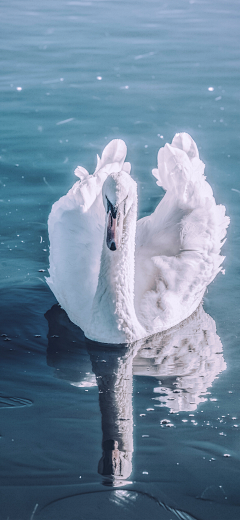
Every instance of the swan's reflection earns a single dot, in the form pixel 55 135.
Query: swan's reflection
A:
pixel 187 358
pixel 113 370
pixel 66 351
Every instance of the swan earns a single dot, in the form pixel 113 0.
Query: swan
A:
pixel 120 279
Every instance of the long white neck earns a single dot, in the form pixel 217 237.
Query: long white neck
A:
pixel 113 318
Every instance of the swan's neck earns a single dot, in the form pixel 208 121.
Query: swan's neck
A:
pixel 113 318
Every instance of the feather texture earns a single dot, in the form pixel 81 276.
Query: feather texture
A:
pixel 178 246
pixel 177 252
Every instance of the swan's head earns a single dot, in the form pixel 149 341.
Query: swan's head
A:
pixel 119 193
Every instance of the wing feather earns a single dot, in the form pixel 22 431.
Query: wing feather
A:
pixel 178 246
pixel 76 232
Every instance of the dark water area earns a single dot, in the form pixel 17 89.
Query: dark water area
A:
pixel 75 75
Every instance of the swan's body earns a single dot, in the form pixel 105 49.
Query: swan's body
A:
pixel 121 280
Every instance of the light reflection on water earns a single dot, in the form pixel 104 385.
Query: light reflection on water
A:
pixel 165 67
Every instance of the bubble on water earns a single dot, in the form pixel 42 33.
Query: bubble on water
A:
pixel 166 423
pixel 211 89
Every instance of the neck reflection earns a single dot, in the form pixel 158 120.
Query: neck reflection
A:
pixel 114 374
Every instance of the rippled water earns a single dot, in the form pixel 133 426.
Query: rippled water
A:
pixel 75 75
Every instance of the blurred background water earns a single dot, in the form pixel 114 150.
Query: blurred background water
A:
pixel 74 75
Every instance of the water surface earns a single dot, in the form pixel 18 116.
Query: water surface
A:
pixel 75 75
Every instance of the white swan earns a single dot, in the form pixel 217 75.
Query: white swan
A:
pixel 96 242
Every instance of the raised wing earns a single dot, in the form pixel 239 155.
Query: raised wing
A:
pixel 76 231
pixel 178 246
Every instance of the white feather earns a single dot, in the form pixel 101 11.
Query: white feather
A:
pixel 177 251
pixel 178 246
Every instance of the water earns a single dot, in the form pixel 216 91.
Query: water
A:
pixel 75 75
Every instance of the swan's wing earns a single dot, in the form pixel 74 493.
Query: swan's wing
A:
pixel 178 246
pixel 76 230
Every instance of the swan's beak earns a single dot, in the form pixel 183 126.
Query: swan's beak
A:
pixel 112 232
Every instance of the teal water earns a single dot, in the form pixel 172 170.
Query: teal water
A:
pixel 75 75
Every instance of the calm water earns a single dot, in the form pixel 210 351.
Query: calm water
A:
pixel 75 75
